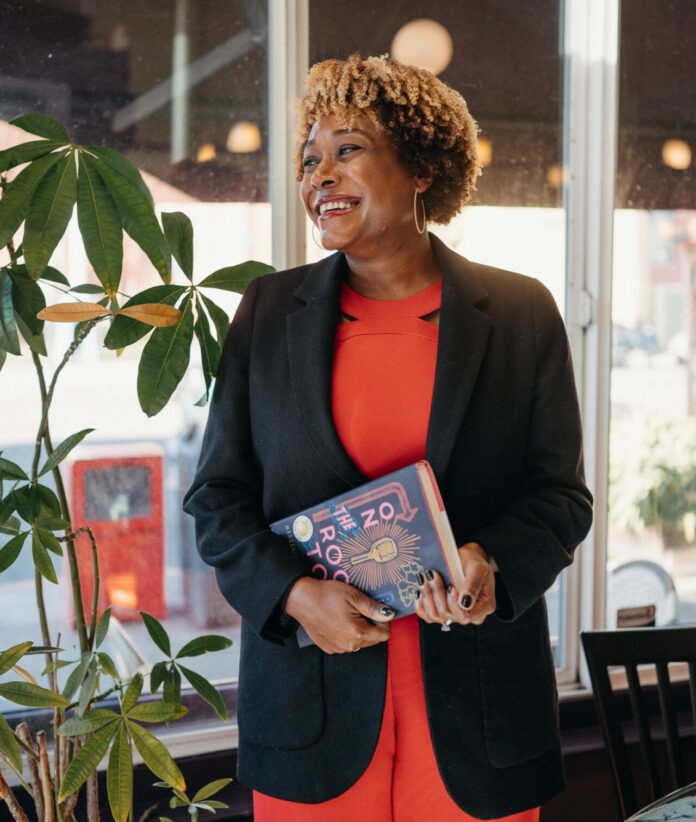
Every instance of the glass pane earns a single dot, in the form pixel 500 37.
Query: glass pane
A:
pixel 652 515
pixel 504 59
pixel 180 88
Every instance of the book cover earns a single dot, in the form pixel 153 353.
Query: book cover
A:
pixel 379 537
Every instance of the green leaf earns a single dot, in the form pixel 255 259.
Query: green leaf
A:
pixel 49 541
pixel 33 696
pixel 156 756
pixel 35 342
pixel 164 361
pixel 157 633
pixel 156 712
pixel 49 213
pixel 172 686
pixel 102 628
pixel 86 761
pixel 87 288
pixel 124 330
pixel 89 684
pixel 211 695
pixel 119 163
pixel 7 505
pixel 220 319
pixel 204 645
pixel 157 675
pixel 100 225
pixel 119 776
pixel 210 350
pixel 10 470
pixel 179 233
pixel 26 152
pixel 9 341
pixel 11 550
pixel 108 666
pixel 62 451
pixel 9 745
pixel 138 218
pixel 12 656
pixel 91 721
pixel 210 805
pixel 10 526
pixel 210 789
pixel 132 693
pixel 52 524
pixel 77 675
pixel 42 125
pixel 28 299
pixel 42 561
pixel 236 277
pixel 52 275
pixel 15 200
pixel 36 502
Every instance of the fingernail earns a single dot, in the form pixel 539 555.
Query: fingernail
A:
pixel 465 602
pixel 417 594
pixel 421 579
pixel 430 575
pixel 449 590
pixel 387 611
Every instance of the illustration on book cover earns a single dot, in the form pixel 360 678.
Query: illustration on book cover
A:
pixel 371 541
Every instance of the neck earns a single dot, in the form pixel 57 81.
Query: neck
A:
pixel 394 273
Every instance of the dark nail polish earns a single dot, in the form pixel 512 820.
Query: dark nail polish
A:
pixel 417 594
pixel 465 602
pixel 449 590
pixel 421 579
pixel 387 611
pixel 430 575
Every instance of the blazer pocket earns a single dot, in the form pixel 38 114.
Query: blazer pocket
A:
pixel 518 688
pixel 280 701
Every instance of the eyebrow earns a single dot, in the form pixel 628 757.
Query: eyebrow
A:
pixel 339 132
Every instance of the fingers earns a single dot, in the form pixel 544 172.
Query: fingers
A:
pixel 371 608
pixel 437 603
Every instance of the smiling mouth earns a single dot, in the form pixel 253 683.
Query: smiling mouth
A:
pixel 336 207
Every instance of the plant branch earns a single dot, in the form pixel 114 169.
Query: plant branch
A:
pixel 24 735
pixel 46 781
pixel 14 770
pixel 70 539
pixel 11 801
pixel 71 552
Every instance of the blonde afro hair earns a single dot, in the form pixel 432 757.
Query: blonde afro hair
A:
pixel 428 121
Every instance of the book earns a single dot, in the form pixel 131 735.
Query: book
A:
pixel 379 537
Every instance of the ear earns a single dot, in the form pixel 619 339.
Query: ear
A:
pixel 422 182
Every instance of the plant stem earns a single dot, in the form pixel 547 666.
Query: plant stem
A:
pixel 46 781
pixel 71 552
pixel 11 800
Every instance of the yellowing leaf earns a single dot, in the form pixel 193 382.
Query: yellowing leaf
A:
pixel 72 312
pixel 157 314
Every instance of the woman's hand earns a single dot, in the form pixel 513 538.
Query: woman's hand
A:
pixel 472 604
pixel 337 616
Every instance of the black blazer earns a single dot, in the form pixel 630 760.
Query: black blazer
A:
pixel 504 441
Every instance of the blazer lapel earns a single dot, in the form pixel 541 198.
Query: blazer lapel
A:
pixel 311 331
pixel 463 338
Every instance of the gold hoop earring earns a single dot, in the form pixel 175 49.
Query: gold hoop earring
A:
pixel 316 242
pixel 415 213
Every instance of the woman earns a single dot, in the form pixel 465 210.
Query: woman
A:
pixel 392 350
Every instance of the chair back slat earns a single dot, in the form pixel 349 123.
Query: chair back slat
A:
pixel 631 648
pixel 669 718
pixel 640 716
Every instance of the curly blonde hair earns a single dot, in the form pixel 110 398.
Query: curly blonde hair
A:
pixel 428 121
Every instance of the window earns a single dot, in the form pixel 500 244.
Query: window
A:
pixel 181 89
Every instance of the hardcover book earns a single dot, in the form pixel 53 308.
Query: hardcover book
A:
pixel 379 537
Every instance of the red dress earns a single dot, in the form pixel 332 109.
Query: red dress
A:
pixel 383 377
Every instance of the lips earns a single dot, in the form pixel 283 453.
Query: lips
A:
pixel 335 206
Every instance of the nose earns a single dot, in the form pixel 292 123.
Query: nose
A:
pixel 325 173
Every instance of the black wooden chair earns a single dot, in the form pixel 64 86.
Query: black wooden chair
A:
pixel 648 704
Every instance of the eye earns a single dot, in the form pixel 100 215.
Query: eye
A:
pixel 307 162
pixel 348 149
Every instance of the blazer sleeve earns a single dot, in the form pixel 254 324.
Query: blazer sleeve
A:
pixel 535 536
pixel 254 567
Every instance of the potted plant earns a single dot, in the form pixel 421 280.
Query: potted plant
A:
pixel 95 709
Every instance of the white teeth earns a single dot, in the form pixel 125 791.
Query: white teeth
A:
pixel 336 205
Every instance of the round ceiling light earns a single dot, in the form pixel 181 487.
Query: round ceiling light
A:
pixel 424 43
pixel 676 154
pixel 244 138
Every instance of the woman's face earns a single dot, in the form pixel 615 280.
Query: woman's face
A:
pixel 354 187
